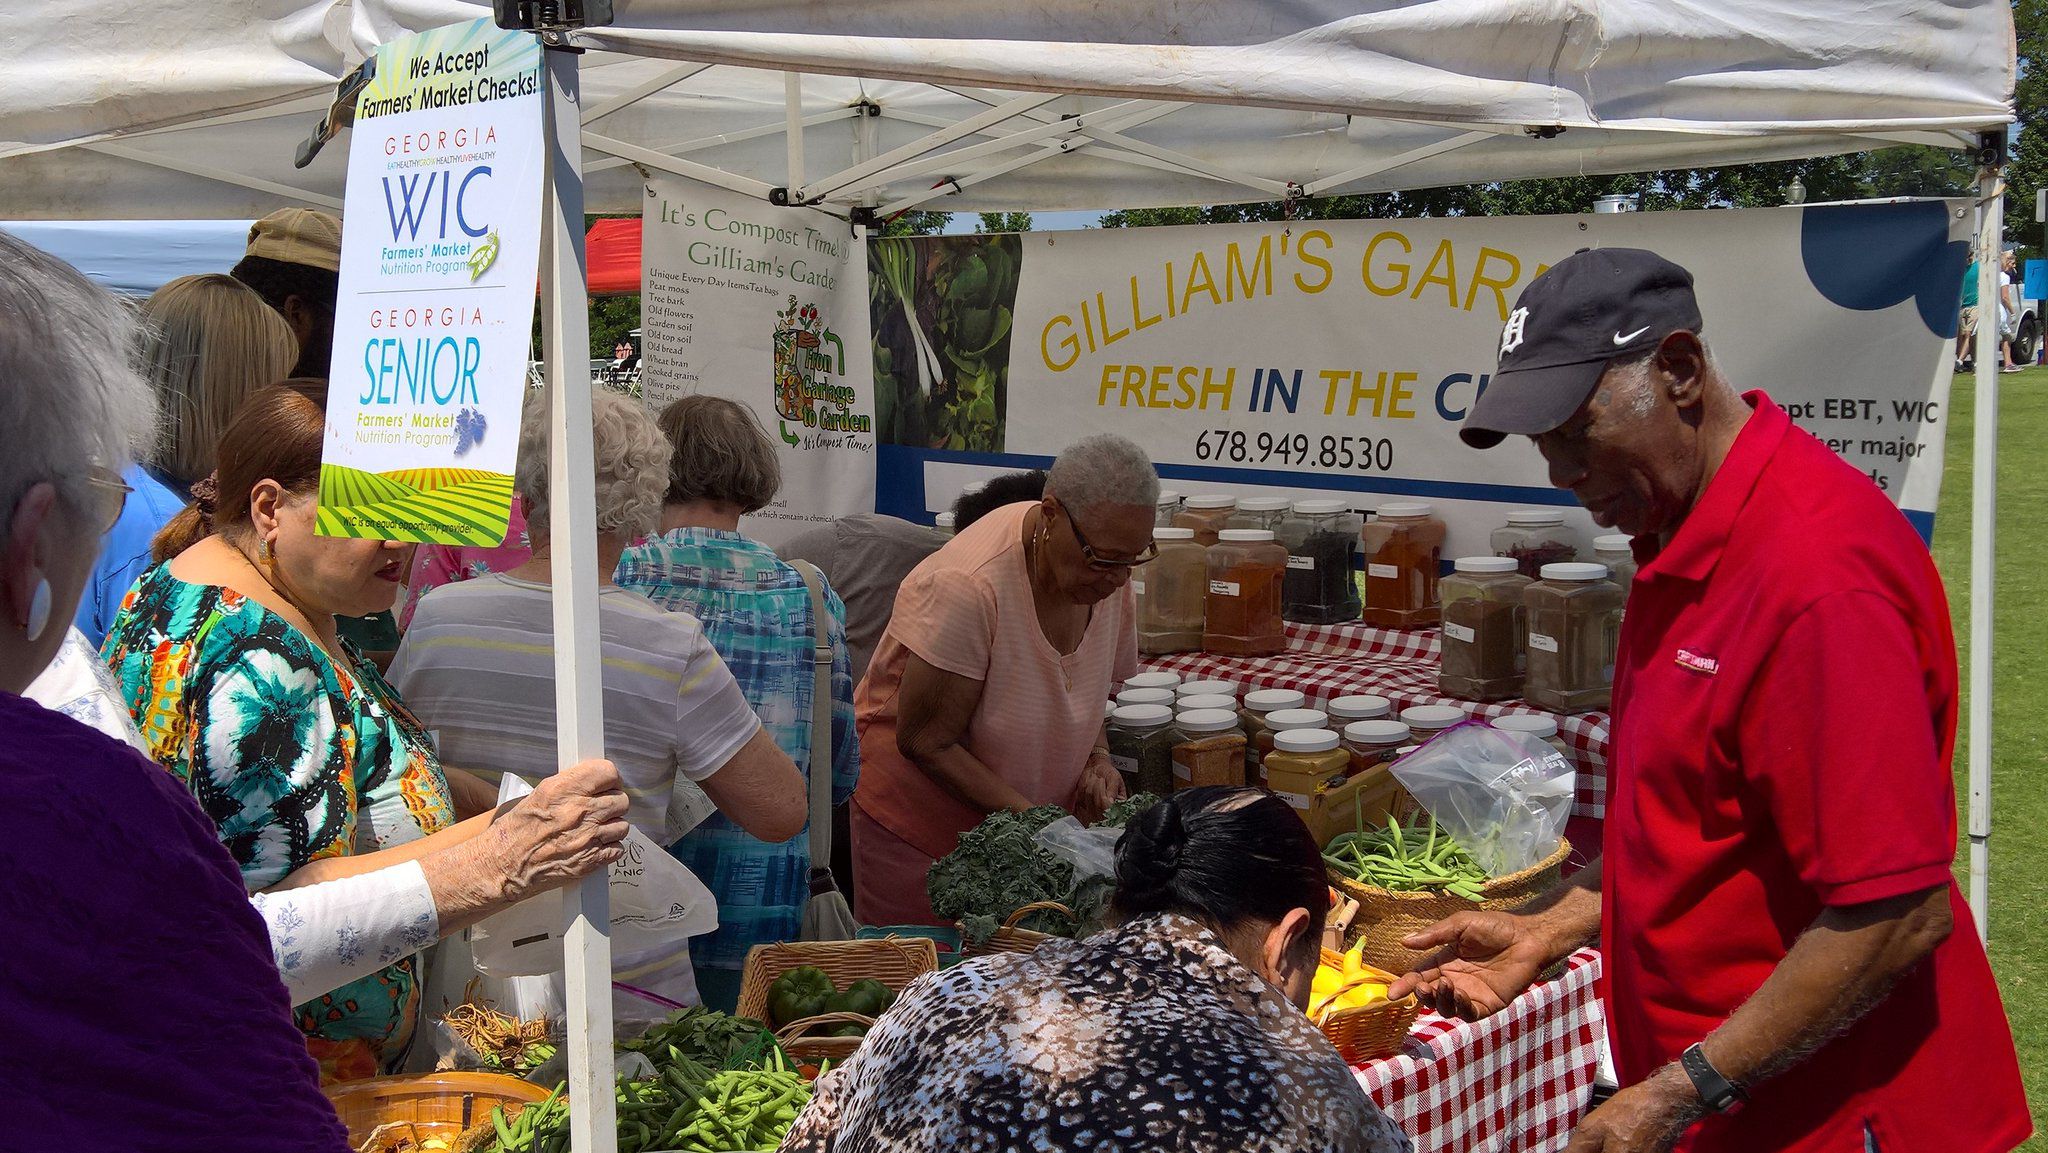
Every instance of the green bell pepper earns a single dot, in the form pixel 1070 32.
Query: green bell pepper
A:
pixel 869 998
pixel 802 992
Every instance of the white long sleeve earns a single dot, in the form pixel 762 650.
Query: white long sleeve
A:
pixel 326 935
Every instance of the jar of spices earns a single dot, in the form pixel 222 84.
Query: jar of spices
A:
pixel 944 523
pixel 1257 706
pixel 1266 512
pixel 1426 721
pixel 1208 688
pixel 1243 608
pixel 1371 743
pixel 1206 515
pixel 1541 727
pixel 1145 697
pixel 1156 680
pixel 1141 740
pixel 1207 701
pixel 1403 548
pixel 1211 749
pixel 1172 591
pixel 1168 508
pixel 1480 651
pixel 1535 537
pixel 1359 707
pixel 1303 763
pixel 1322 539
pixel 1574 616
pixel 1618 553
pixel 1281 721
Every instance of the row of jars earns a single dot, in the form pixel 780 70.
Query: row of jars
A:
pixel 1551 641
pixel 1319 544
pixel 1165 735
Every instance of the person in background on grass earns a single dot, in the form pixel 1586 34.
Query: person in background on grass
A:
pixel 307 764
pixel 2009 307
pixel 756 611
pixel 987 691
pixel 1789 964
pixel 478 668
pixel 142 1007
pixel 1007 489
pixel 208 343
pixel 1180 1028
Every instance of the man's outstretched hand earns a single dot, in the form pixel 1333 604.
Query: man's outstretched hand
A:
pixel 1483 961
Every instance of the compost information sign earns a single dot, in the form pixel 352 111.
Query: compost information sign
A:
pixel 1337 358
pixel 768 307
pixel 438 266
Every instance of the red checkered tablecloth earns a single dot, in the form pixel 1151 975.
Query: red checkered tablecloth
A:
pixel 1324 661
pixel 1516 1082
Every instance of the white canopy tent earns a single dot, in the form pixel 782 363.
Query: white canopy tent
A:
pixel 138 110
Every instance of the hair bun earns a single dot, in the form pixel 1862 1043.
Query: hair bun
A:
pixel 1148 856
pixel 206 494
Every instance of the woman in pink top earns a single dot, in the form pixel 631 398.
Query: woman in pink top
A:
pixel 986 692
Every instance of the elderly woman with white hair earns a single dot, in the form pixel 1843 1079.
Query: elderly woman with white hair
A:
pixel 142 1005
pixel 477 667
pixel 986 693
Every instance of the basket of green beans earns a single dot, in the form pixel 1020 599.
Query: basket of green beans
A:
pixel 1406 877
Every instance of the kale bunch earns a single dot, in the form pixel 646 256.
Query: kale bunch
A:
pixel 999 867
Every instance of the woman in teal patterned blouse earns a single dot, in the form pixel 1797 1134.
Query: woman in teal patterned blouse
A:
pixel 302 756
pixel 757 614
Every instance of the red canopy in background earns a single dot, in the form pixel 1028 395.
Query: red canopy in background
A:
pixel 613 252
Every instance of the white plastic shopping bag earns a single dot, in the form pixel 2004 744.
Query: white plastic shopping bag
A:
pixel 657 905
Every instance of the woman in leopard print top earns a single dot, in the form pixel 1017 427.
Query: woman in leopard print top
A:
pixel 1180 1029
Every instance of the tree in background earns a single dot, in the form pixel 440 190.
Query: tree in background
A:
pixel 914 222
pixel 2028 172
pixel 1004 222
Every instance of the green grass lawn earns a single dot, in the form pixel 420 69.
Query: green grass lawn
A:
pixel 2019 825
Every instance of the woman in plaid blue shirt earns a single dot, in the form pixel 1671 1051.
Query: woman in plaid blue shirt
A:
pixel 757 614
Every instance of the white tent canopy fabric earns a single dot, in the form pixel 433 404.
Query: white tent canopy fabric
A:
pixel 1054 105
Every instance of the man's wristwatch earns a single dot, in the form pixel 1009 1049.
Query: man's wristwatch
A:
pixel 1718 1093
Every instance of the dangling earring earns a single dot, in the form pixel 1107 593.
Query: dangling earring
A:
pixel 39 610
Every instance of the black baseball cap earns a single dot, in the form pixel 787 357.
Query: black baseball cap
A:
pixel 1586 311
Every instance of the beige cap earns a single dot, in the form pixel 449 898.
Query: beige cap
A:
pixel 298 236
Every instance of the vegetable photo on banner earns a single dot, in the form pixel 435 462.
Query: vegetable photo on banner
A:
pixel 942 317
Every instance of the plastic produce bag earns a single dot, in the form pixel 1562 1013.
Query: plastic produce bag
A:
pixel 1505 796
pixel 1092 852
pixel 657 905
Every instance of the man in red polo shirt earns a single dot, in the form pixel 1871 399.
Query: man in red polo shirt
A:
pixel 1789 964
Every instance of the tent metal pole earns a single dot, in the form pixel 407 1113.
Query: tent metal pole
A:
pixel 793 131
pixel 639 92
pixel 204 172
pixel 572 532
pixel 1318 187
pixel 663 162
pixel 703 142
pixel 1984 539
pixel 939 139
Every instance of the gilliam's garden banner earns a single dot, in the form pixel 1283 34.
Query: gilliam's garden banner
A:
pixel 438 266
pixel 768 307
pixel 1336 358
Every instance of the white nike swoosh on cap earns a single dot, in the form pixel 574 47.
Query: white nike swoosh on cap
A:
pixel 1620 340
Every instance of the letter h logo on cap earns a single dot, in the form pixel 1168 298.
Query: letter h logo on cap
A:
pixel 1592 308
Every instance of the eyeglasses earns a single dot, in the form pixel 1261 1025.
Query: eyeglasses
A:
pixel 110 496
pixel 1107 564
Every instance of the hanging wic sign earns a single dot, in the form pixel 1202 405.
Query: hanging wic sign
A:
pixel 438 264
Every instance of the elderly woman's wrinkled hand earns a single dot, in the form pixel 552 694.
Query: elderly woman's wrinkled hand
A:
pixel 570 826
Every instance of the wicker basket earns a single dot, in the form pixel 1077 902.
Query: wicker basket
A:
pixel 1010 938
pixel 894 961
pixel 1387 916
pixel 428 1105
pixel 1365 1032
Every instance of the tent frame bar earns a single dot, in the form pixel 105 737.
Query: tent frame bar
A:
pixel 1984 522
pixel 1332 183
pixel 637 93
pixel 703 142
pixel 689 169
pixel 205 172
pixel 852 178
